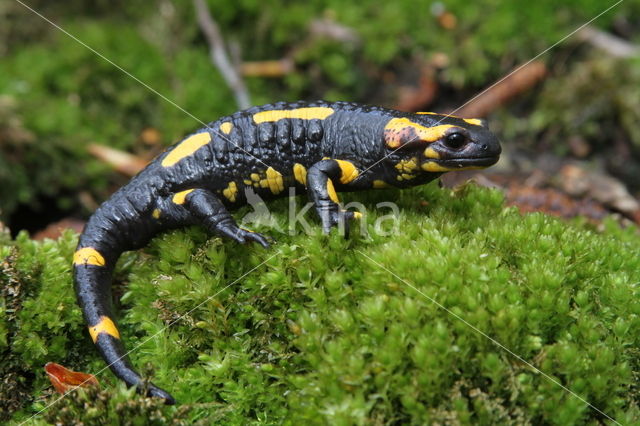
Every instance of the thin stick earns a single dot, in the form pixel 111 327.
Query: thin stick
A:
pixel 219 56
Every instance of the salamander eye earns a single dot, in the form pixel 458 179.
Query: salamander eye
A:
pixel 455 140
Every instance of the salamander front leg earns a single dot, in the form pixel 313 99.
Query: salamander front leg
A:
pixel 210 211
pixel 322 191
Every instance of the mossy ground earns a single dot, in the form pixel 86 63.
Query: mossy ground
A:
pixel 314 330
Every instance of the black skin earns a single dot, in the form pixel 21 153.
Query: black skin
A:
pixel 352 133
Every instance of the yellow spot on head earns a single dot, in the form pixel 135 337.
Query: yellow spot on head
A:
pixel 180 197
pixel 407 176
pixel 247 182
pixel 472 121
pixel 380 184
pixel 432 166
pixel 255 177
pixel 407 166
pixel 437 113
pixel 156 214
pixel 431 153
pixel 105 325
pixel 308 113
pixel 332 192
pixel 300 174
pixel 348 171
pixel 274 180
pixel 186 148
pixel 231 192
pixel 399 131
pixel 88 256
pixel 226 127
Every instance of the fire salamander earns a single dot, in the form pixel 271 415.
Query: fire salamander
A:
pixel 319 147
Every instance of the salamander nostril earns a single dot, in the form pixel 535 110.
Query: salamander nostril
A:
pixel 484 147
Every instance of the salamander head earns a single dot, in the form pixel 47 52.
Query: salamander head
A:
pixel 442 143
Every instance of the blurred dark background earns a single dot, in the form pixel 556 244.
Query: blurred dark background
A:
pixel 74 127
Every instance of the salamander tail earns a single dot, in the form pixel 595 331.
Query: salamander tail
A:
pixel 92 274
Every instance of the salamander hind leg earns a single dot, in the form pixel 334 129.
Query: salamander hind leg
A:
pixel 208 210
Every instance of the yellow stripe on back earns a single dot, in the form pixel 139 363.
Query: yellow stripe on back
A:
pixel 309 113
pixel 226 127
pixel 106 325
pixel 88 256
pixel 186 148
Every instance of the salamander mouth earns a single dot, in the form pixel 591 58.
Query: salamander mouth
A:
pixel 463 163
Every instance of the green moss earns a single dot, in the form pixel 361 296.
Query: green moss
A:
pixel 39 319
pixel 314 329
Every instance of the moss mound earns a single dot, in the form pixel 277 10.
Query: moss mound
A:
pixel 316 330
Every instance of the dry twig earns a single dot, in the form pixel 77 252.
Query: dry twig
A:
pixel 219 55
pixel 614 46
pixel 272 69
pixel 123 162
pixel 521 80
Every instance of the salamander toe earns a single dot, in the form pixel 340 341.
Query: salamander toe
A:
pixel 256 237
